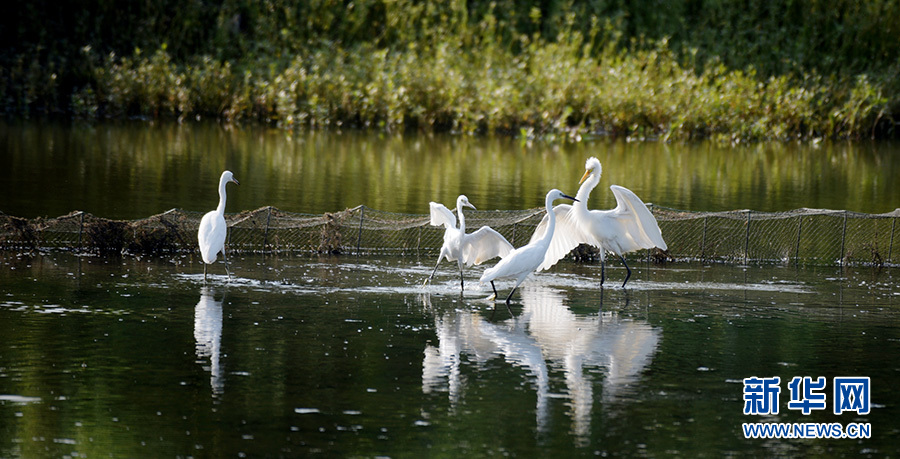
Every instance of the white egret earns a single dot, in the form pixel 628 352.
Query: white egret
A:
pixel 469 249
pixel 526 259
pixel 213 228
pixel 628 227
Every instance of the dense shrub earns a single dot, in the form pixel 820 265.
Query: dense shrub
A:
pixel 674 70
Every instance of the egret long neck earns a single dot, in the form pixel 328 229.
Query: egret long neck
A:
pixel 462 219
pixel 584 192
pixel 551 225
pixel 221 208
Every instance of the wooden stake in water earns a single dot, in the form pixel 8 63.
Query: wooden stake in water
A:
pixel 362 212
pixel 843 237
pixel 891 246
pixel 703 240
pixel 266 233
pixel 747 239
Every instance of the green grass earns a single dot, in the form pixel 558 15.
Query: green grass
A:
pixel 532 69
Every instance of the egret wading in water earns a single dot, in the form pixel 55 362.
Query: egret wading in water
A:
pixel 526 259
pixel 465 249
pixel 628 227
pixel 213 228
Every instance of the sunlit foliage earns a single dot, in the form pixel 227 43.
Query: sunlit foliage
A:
pixel 668 70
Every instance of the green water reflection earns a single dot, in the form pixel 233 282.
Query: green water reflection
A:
pixel 135 170
pixel 345 356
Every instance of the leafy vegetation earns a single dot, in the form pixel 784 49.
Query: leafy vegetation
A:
pixel 670 70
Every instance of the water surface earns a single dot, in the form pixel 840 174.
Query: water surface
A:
pixel 132 171
pixel 345 356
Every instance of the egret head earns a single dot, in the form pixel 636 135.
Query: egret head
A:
pixel 227 176
pixel 555 194
pixel 591 166
pixel 463 201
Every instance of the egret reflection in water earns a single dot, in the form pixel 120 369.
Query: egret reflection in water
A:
pixel 546 335
pixel 208 335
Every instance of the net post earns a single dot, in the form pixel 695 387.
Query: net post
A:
pixel 362 213
pixel 799 228
pixel 891 245
pixel 650 249
pixel 81 229
pixel 703 240
pixel 228 230
pixel 418 240
pixel 266 232
pixel 747 239
pixel 843 238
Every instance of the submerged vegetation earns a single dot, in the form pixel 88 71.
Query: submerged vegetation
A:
pixel 670 70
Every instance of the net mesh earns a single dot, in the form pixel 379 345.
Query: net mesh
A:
pixel 813 236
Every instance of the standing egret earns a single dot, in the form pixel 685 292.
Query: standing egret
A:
pixel 213 228
pixel 628 227
pixel 526 259
pixel 469 249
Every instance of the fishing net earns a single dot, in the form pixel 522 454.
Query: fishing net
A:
pixel 812 236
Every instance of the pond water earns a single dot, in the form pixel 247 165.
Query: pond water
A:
pixel 130 171
pixel 346 356
pixel 342 356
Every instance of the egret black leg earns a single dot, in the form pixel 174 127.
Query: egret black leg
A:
pixel 204 271
pixel 224 257
pixel 461 281
pixel 432 272
pixel 629 271
pixel 510 294
pixel 602 272
pixel 495 289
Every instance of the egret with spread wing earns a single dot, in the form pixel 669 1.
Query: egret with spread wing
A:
pixel 628 227
pixel 526 259
pixel 213 229
pixel 465 249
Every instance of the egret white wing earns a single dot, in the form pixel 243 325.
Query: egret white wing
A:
pixel 484 244
pixel 640 224
pixel 519 261
pixel 567 235
pixel 441 215
pixel 211 236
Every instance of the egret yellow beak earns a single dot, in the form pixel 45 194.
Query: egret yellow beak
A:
pixel 583 178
